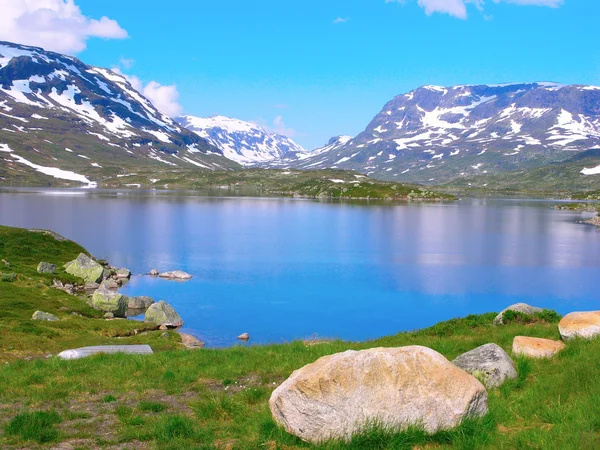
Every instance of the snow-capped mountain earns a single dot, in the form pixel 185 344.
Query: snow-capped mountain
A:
pixel 58 112
pixel 243 142
pixel 437 133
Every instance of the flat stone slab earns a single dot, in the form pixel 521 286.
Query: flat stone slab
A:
pixel 523 308
pixel 580 324
pixel 488 363
pixel 536 347
pixel 84 352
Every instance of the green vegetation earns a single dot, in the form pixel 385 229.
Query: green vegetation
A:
pixel 328 183
pixel 218 399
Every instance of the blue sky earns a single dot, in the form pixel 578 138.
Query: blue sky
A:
pixel 266 59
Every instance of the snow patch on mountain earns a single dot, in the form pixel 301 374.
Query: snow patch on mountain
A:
pixel 243 142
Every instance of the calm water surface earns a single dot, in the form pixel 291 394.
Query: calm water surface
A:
pixel 281 269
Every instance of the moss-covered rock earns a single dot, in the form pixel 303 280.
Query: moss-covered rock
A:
pixel 86 268
pixel 110 301
pixel 162 313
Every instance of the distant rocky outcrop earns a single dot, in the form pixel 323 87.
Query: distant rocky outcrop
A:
pixel 339 395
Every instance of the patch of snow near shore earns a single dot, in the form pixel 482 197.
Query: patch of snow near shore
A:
pixel 54 171
pixel 592 171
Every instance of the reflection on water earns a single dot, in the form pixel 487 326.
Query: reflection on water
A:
pixel 285 268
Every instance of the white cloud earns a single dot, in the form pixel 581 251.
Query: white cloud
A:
pixel 341 20
pixel 55 25
pixel 164 98
pixel 277 125
pixel 458 8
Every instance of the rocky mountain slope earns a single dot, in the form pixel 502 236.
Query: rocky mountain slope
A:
pixel 435 134
pixel 243 142
pixel 60 118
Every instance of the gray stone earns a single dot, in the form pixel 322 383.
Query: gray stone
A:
pixel 39 315
pixel 140 302
pixel 341 395
pixel 45 267
pixel 489 363
pixel 244 337
pixel 90 288
pixel 86 268
pixel 110 284
pixel 89 351
pixel 154 273
pixel 123 273
pixel 523 308
pixel 163 314
pixel 109 301
pixel 109 315
pixel 176 275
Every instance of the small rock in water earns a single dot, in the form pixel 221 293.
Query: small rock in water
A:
pixel 45 267
pixel 140 302
pixel 244 337
pixel 536 347
pixel 585 325
pixel 39 315
pixel 154 273
pixel 176 275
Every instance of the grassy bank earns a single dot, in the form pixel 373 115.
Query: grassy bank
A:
pixel 218 399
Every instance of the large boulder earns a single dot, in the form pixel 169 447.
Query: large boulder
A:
pixel 86 268
pixel 176 275
pixel 523 308
pixel 45 267
pixel 141 302
pixel 580 324
pixel 40 315
pixel 110 301
pixel 340 395
pixel 488 363
pixel 536 347
pixel 163 314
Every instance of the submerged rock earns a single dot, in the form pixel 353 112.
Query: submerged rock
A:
pixel 523 308
pixel 45 267
pixel 489 363
pixel 40 315
pixel 163 314
pixel 536 347
pixel 340 395
pixel 580 324
pixel 109 301
pixel 176 275
pixel 86 268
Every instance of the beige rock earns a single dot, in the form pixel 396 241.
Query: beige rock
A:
pixel 190 341
pixel 339 395
pixel 580 324
pixel 536 347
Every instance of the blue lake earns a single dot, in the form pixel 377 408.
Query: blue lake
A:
pixel 282 269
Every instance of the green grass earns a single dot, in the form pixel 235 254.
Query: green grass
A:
pixel 218 398
pixel 36 426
